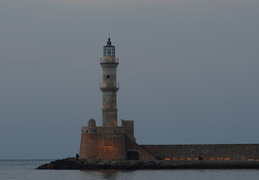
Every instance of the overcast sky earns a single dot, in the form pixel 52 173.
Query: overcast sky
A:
pixel 188 71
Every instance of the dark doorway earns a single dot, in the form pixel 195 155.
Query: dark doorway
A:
pixel 132 155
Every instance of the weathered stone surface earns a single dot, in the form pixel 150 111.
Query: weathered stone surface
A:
pixel 73 163
pixel 204 151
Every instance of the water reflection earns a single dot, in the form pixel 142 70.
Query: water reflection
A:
pixel 110 174
pixel 205 174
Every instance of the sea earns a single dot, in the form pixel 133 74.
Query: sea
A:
pixel 26 170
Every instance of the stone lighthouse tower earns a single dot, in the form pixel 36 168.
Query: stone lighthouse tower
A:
pixel 110 141
pixel 109 87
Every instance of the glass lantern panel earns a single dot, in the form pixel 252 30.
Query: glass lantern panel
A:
pixel 109 51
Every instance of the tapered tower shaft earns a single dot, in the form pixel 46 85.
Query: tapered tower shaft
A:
pixel 109 87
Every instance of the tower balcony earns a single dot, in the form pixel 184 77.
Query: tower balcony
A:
pixel 110 88
pixel 110 109
pixel 109 60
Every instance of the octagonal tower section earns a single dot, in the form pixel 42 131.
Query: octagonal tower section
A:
pixel 109 87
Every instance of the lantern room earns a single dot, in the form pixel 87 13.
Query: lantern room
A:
pixel 109 49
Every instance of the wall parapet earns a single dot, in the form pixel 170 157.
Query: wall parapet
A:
pixel 102 130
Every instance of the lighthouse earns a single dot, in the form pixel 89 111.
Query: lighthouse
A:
pixel 118 143
pixel 110 141
pixel 109 87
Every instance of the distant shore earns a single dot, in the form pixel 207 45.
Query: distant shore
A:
pixel 74 163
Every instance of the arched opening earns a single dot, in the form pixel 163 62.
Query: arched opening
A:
pixel 132 155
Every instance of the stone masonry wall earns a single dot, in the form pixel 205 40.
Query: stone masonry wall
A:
pixel 128 126
pixel 207 152
pixel 131 145
pixel 103 146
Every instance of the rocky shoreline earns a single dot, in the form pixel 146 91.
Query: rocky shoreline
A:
pixel 81 164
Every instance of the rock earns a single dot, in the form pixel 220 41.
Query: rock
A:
pixel 149 165
pixel 139 164
pixel 104 164
pixel 116 164
pixel 128 165
pixel 73 163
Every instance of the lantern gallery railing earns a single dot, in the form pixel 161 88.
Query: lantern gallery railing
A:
pixel 110 88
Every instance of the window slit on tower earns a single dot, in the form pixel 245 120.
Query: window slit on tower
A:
pixel 108 76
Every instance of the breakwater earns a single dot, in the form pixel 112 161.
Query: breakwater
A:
pixel 73 163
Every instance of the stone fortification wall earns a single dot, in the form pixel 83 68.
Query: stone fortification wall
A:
pixel 205 152
pixel 102 143
pixel 128 125
pixel 103 146
pixel 131 145
pixel 110 143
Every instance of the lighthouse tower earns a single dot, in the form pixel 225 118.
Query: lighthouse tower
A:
pixel 110 141
pixel 109 87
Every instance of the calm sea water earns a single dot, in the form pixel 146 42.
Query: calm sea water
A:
pixel 25 170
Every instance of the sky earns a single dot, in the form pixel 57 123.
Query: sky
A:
pixel 188 71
